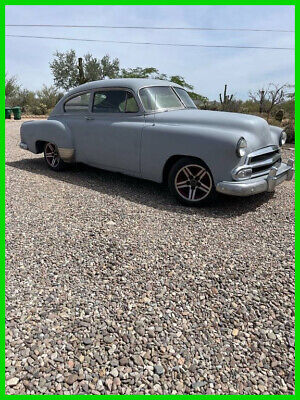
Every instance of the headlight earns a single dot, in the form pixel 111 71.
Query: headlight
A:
pixel 282 138
pixel 241 147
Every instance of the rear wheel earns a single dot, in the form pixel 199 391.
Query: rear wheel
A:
pixel 52 157
pixel 191 182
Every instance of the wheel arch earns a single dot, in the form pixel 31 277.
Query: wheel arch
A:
pixel 39 146
pixel 173 159
pixel 36 133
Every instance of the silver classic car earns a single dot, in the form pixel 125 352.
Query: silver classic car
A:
pixel 151 129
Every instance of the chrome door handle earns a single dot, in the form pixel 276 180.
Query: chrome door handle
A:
pixel 89 118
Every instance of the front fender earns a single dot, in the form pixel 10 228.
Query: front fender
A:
pixel 276 132
pixel 160 142
pixel 34 132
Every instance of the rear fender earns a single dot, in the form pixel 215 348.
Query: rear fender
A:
pixel 34 133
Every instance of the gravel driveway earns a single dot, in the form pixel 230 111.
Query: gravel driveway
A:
pixel 112 287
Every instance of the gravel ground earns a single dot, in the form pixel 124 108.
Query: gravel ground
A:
pixel 112 287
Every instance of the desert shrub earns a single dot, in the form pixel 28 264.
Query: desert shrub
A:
pixel 290 131
pixel 12 86
pixel 24 98
pixel 40 102
pixel 279 115
pixel 209 105
pixel 250 106
pixel 47 98
pixel 234 106
pixel 289 107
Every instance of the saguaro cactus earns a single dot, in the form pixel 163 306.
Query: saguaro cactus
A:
pixel 227 99
pixel 81 72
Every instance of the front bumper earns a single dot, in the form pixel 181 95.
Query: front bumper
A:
pixel 266 183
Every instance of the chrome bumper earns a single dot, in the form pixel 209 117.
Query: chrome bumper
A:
pixel 23 146
pixel 265 183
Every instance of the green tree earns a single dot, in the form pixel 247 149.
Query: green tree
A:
pixel 200 101
pixel 153 73
pixel 109 68
pixel 180 81
pixel 12 87
pixel 69 71
pixel 144 73
pixel 139 72
pixel 64 70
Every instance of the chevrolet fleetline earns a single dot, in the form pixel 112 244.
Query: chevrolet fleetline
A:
pixel 151 129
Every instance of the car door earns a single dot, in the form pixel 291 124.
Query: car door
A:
pixel 75 111
pixel 112 134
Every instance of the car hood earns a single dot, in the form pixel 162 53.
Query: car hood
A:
pixel 255 130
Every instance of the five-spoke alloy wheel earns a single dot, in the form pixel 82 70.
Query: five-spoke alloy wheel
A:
pixel 52 157
pixel 191 182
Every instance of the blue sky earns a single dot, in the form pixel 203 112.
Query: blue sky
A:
pixel 207 69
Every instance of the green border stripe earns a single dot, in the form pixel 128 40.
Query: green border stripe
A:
pixel 149 2
pixel 2 180
pixel 2 208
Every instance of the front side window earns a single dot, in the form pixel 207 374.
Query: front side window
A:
pixel 114 101
pixel 160 98
pixel 78 104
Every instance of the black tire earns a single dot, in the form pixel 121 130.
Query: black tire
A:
pixel 191 182
pixel 52 157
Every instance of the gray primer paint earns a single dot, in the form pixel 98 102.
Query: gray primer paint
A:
pixel 140 144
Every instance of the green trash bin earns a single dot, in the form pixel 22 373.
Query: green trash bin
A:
pixel 7 112
pixel 17 112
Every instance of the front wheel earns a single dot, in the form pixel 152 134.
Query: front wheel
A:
pixel 52 157
pixel 191 182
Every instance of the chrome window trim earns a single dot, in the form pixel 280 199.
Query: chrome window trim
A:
pixel 189 108
pixel 162 109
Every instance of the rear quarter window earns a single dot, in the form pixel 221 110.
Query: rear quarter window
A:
pixel 78 104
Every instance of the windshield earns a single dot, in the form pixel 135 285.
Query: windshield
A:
pixel 160 98
pixel 185 98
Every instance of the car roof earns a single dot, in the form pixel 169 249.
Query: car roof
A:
pixel 132 83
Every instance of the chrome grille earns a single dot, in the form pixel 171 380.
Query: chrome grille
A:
pixel 263 160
